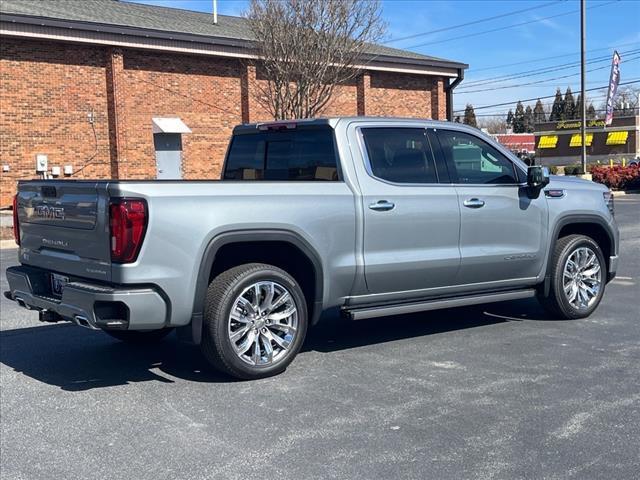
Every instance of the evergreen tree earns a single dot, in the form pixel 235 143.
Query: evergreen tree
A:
pixel 538 113
pixel 569 108
pixel 578 114
pixel 528 120
pixel 519 119
pixel 591 112
pixel 510 118
pixel 469 116
pixel 558 107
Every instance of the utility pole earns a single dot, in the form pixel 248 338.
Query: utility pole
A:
pixel 583 113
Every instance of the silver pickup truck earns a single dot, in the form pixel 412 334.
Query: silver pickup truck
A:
pixel 362 217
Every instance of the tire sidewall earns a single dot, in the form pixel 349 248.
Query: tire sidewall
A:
pixel 217 321
pixel 567 309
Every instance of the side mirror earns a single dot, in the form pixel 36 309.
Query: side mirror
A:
pixel 537 179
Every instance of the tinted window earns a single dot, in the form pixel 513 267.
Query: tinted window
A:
pixel 400 155
pixel 474 160
pixel 289 155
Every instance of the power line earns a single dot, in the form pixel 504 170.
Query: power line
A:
pixel 536 98
pixel 540 81
pixel 538 71
pixel 474 22
pixel 541 59
pixel 507 26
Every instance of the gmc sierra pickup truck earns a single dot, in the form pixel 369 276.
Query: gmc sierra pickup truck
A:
pixel 362 217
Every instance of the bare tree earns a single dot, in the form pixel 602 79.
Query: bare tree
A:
pixel 308 47
pixel 496 124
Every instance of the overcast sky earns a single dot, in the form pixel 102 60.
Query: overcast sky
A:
pixel 538 43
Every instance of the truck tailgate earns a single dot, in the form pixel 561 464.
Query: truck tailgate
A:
pixel 64 227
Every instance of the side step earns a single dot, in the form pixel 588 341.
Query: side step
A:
pixel 404 308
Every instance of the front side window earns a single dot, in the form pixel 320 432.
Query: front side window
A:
pixel 400 155
pixel 298 155
pixel 474 160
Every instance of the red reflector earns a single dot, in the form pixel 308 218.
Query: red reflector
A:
pixel 128 223
pixel 16 225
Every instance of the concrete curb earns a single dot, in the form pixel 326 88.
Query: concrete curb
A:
pixel 617 193
pixel 7 244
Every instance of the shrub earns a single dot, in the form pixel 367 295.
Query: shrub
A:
pixel 576 169
pixel 617 177
pixel 553 170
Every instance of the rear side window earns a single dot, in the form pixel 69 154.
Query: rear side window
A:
pixel 474 161
pixel 400 155
pixel 298 155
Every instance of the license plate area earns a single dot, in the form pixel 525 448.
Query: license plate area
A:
pixel 58 283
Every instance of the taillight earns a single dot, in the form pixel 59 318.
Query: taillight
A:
pixel 16 225
pixel 128 223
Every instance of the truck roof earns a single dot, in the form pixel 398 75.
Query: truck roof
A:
pixel 331 122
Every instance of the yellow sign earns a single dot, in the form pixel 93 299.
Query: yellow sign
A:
pixel 570 125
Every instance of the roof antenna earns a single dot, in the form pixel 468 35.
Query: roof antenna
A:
pixel 215 12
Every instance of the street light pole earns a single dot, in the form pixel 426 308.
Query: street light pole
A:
pixel 583 113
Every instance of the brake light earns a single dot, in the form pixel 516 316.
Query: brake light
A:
pixel 16 225
pixel 128 224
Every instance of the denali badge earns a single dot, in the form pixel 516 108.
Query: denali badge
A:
pixel 45 211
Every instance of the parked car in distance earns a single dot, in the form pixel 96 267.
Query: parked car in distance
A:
pixel 361 217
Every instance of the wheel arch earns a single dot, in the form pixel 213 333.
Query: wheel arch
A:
pixel 240 239
pixel 592 226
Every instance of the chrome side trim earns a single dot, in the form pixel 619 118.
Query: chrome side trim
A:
pixel 385 310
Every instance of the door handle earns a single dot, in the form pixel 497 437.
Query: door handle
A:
pixel 473 203
pixel 382 206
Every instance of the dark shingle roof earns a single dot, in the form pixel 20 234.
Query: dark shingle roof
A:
pixel 162 19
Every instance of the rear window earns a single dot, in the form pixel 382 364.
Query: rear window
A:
pixel 298 155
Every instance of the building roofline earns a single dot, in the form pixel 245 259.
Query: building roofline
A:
pixel 239 43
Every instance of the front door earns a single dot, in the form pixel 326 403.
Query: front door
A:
pixel 502 230
pixel 411 221
pixel 168 148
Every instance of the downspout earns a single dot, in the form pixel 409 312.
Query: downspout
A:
pixel 449 91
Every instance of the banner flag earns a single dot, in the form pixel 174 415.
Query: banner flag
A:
pixel 614 79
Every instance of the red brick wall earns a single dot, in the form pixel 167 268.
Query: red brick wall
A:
pixel 396 95
pixel 47 89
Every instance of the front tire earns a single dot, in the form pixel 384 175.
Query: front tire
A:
pixel 255 321
pixel 578 273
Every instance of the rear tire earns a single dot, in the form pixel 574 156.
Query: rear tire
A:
pixel 255 321
pixel 578 278
pixel 139 336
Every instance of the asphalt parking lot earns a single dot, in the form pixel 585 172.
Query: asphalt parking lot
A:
pixel 500 391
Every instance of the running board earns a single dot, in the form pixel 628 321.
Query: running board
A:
pixel 404 308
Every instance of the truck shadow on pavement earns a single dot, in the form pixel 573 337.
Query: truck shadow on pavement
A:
pixel 75 359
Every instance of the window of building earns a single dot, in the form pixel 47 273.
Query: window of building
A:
pixel 576 140
pixel 400 155
pixel 617 138
pixel 296 155
pixel 474 160
pixel 548 141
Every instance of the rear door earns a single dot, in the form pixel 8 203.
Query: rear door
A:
pixel 64 227
pixel 411 222
pixel 501 228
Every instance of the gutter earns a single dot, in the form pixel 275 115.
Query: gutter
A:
pixel 239 43
pixel 449 91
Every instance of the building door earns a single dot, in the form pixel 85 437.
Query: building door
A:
pixel 168 155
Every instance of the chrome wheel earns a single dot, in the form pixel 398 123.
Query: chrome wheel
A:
pixel 582 278
pixel 263 323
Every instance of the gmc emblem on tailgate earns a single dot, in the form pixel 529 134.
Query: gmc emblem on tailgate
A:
pixel 45 211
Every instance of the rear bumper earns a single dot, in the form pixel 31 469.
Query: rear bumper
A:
pixel 90 305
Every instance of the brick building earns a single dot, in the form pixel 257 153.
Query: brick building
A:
pixel 108 89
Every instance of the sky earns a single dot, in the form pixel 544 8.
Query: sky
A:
pixel 544 43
